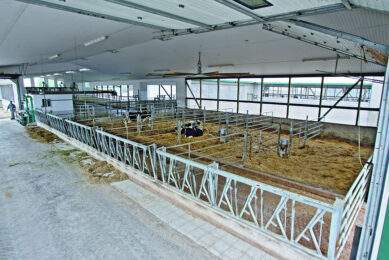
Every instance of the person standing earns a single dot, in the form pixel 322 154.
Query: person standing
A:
pixel 12 108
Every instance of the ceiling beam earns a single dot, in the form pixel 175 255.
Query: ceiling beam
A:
pixel 159 12
pixel 240 9
pixel 272 18
pixel 347 4
pixel 282 32
pixel 91 13
pixel 340 34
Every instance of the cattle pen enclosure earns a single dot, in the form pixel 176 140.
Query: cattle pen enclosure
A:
pixel 305 198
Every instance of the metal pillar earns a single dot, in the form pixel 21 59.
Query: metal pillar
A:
pixel 287 107
pixel 321 96
pixel 261 98
pixel 359 102
pixel 377 202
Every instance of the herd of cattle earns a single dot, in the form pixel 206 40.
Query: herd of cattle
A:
pixel 190 129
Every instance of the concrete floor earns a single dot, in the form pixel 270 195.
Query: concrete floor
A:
pixel 48 211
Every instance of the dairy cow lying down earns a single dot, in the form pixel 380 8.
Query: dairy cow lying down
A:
pixel 191 129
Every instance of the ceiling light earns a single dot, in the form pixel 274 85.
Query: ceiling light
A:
pixel 326 58
pixel 54 56
pixel 100 39
pixel 253 4
pixel 220 65
pixel 84 69
pixel 57 74
pixel 69 72
pixel 159 70
pixel 48 75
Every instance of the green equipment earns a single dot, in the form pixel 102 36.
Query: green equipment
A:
pixel 27 116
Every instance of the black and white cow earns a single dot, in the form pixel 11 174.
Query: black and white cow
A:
pixel 191 129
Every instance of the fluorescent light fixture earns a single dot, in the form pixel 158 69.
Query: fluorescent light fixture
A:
pixel 57 74
pixel 54 56
pixel 253 4
pixel 84 69
pixel 159 70
pixel 69 72
pixel 220 65
pixel 100 39
pixel 48 75
pixel 325 58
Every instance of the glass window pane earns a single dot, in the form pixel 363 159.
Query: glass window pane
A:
pixel 209 88
pixel 228 89
pixel 372 91
pixel 192 103
pixel 298 112
pixel 227 106
pixel 51 83
pixel 250 89
pixel 27 82
pixel 368 118
pixel 152 91
pixel 194 84
pixel 340 116
pixel 276 110
pixel 60 83
pixel 209 105
pixel 275 89
pixel 252 108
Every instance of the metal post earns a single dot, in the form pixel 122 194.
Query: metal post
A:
pixel 205 119
pixel 359 102
pixel 201 94
pixel 287 107
pixel 245 149
pixel 138 123
pixel 218 94
pixel 237 97
pixel 279 136
pixel 305 131
pixel 179 132
pixel 336 221
pixel 227 125
pixel 321 96
pixel 261 98
pixel 290 138
pixel 219 122
pixel 251 144
pixel 247 120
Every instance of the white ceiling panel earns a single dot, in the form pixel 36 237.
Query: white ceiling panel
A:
pixel 101 6
pixel 371 25
pixel 379 5
pixel 206 11
pixel 286 6
pixel 41 32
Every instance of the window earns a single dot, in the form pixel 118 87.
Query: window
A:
pixel 51 83
pixel 164 92
pixel 293 97
pixel 228 89
pixel 27 82
pixel 38 81
pixel 60 83
pixel 209 88
pixel 250 89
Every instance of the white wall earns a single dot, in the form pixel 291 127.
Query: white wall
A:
pixel 59 102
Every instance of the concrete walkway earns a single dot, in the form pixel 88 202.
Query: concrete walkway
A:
pixel 48 211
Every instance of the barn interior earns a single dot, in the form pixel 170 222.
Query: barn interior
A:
pixel 273 113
